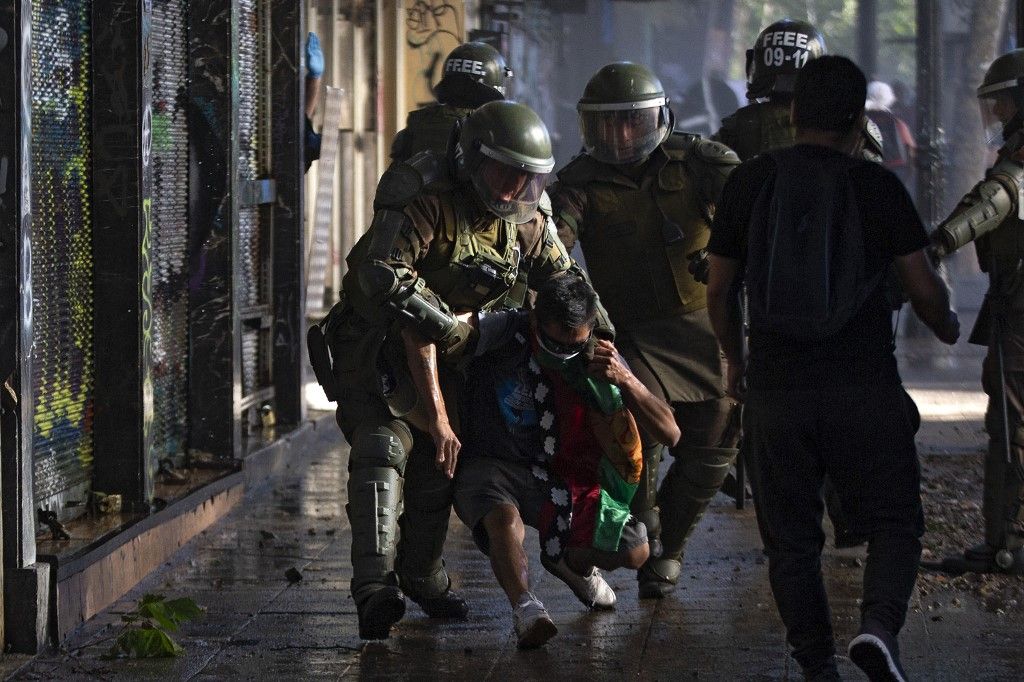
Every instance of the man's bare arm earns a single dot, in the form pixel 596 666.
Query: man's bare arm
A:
pixel 724 311
pixel 652 414
pixel 421 355
pixel 928 295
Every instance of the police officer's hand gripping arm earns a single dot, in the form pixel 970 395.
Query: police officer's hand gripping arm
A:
pixel 399 237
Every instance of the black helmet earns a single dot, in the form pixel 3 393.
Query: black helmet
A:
pixel 505 151
pixel 623 114
pixel 474 74
pixel 779 52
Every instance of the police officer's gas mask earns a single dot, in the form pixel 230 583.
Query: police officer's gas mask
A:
pixel 624 133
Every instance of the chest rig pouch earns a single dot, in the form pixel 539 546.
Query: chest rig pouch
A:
pixel 472 269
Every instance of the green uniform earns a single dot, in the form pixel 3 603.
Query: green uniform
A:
pixel 636 227
pixel 757 128
pixel 999 254
pixel 463 258
pixel 429 128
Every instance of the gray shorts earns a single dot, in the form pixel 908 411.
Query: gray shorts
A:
pixel 483 483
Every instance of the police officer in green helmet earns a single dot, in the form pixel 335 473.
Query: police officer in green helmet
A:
pixel 464 233
pixel 639 201
pixel 992 216
pixel 781 49
pixel 472 75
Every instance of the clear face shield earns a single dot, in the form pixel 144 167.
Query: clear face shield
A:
pixel 511 190
pixel 997 108
pixel 625 133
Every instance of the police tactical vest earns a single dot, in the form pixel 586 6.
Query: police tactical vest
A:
pixel 757 128
pixel 636 235
pixel 429 128
pixel 469 266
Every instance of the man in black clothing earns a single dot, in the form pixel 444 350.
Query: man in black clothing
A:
pixel 832 404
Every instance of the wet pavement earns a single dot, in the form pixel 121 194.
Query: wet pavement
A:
pixel 720 624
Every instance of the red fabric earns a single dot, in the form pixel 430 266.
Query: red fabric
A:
pixel 577 460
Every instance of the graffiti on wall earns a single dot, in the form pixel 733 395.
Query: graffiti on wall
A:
pixel 433 28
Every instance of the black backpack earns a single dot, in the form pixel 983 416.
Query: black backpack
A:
pixel 806 270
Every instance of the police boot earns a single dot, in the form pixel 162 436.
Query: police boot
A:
pixel 424 525
pixel 1007 561
pixel 376 459
pixel 434 594
pixel 384 607
pixel 692 480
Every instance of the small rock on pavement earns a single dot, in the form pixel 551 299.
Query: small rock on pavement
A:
pixel 293 575
pixel 267 535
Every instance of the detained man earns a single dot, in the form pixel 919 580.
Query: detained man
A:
pixel 552 440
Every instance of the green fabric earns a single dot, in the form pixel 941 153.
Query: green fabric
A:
pixel 613 508
pixel 599 395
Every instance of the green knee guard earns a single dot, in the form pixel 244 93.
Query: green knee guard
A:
pixel 376 461
pixel 691 482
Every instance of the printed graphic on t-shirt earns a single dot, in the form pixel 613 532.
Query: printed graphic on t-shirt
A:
pixel 516 402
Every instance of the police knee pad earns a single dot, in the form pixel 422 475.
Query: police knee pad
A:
pixel 381 445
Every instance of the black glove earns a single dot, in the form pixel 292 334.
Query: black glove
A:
pixel 699 265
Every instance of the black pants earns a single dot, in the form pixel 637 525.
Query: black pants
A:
pixel 863 438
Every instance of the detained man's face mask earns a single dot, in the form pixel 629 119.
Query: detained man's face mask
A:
pixel 562 346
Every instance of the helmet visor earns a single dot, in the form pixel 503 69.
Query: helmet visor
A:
pixel 997 109
pixel 511 193
pixel 623 136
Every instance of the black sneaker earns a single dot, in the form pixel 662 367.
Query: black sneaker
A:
pixel 379 612
pixel 877 653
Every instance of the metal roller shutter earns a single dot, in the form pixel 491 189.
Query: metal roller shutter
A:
pixel 62 255
pixel 169 49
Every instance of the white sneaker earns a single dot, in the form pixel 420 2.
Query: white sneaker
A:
pixel 590 589
pixel 533 625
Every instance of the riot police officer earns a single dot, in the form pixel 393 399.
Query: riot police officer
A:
pixel 474 74
pixel 992 214
pixel 467 232
pixel 781 49
pixel 639 201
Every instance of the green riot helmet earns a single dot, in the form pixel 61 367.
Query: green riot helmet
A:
pixel 505 151
pixel 473 74
pixel 779 52
pixel 1001 95
pixel 623 114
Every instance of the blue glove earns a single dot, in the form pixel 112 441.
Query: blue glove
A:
pixel 314 56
